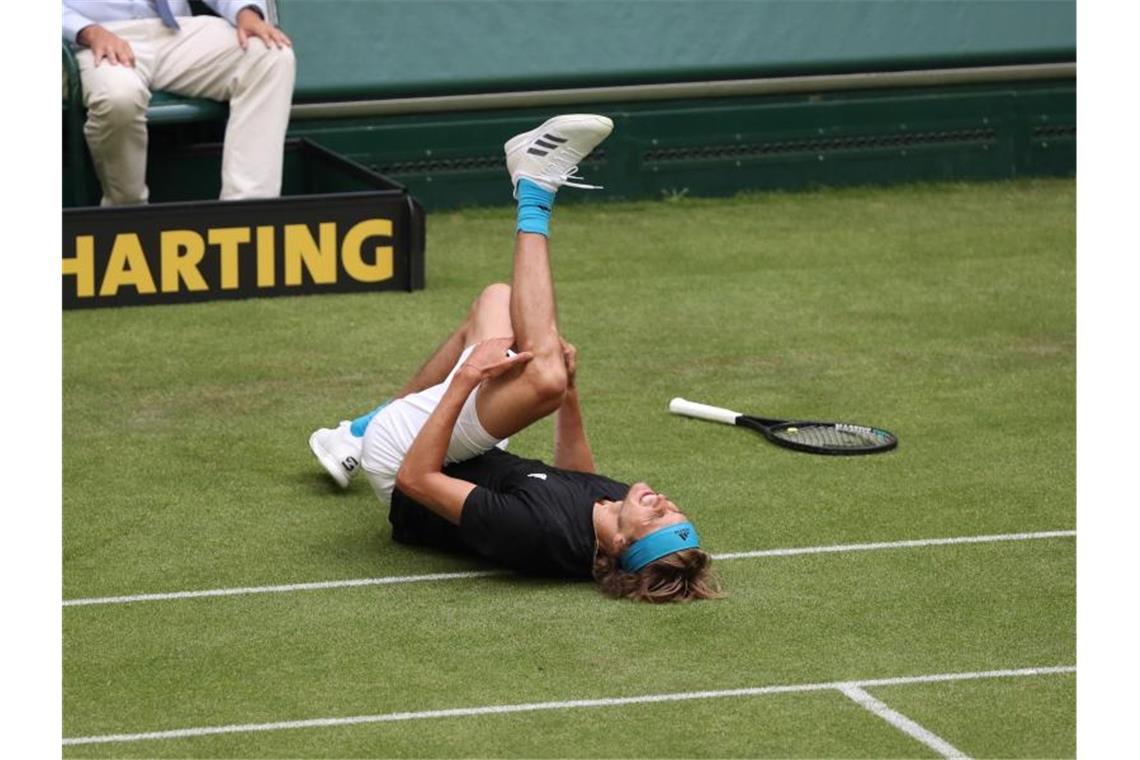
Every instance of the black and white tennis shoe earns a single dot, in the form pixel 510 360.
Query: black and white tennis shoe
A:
pixel 549 154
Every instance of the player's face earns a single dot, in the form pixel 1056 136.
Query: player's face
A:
pixel 643 511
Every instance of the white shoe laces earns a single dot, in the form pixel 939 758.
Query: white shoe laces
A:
pixel 559 170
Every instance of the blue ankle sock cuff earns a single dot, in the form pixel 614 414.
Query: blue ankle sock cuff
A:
pixel 359 425
pixel 535 205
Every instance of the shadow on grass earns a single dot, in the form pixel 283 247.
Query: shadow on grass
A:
pixel 406 559
pixel 316 483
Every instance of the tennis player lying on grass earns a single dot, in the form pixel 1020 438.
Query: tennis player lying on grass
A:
pixel 436 454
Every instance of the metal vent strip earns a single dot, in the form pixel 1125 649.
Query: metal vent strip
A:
pixel 462 164
pixel 821 145
pixel 1056 130
pixel 433 165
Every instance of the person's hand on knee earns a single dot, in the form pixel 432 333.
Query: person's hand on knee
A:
pixel 106 44
pixel 251 24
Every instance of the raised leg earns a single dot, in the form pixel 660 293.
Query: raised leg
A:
pixel 339 449
pixel 489 317
pixel 540 162
pixel 509 403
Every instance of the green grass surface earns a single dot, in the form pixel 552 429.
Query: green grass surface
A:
pixel 944 313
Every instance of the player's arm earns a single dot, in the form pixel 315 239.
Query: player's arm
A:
pixel 421 474
pixel 571 447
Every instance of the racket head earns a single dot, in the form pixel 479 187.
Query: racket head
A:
pixel 834 438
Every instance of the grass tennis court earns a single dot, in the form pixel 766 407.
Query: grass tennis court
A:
pixel 945 313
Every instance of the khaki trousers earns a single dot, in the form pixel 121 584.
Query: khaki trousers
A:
pixel 202 60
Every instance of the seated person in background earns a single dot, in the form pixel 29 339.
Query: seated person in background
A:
pixel 126 48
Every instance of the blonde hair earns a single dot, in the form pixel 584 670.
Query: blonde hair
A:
pixel 682 576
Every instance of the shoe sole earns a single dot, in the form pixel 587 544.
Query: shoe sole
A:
pixel 564 122
pixel 328 461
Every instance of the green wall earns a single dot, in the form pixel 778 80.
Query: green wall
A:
pixel 402 48
pixel 725 146
pixel 389 48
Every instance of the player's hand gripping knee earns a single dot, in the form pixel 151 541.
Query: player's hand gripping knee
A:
pixel 570 356
pixel 489 359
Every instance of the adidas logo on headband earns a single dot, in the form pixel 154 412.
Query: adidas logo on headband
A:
pixel 655 545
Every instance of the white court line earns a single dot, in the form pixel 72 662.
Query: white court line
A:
pixel 458 712
pixel 899 544
pixel 244 590
pixel 902 723
pixel 397 579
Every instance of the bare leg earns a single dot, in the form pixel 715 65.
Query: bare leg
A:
pixel 435 369
pixel 339 449
pixel 533 312
pixel 489 317
pixel 509 403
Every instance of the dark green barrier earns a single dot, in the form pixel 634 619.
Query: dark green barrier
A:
pixel 721 147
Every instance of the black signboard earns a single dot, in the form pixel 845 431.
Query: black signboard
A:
pixel 332 242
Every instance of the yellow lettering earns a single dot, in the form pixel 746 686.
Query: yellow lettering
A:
pixel 82 266
pixel 320 261
pixel 229 240
pixel 182 252
pixel 266 271
pixel 127 266
pixel 353 260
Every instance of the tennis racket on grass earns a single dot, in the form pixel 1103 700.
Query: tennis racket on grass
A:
pixel 837 438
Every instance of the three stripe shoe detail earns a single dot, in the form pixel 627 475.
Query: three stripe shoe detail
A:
pixel 545 144
pixel 549 154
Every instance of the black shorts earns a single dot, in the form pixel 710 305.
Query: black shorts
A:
pixel 416 525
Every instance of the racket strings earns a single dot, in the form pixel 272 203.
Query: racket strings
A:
pixel 831 436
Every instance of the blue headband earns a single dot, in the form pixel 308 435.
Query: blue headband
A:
pixel 655 545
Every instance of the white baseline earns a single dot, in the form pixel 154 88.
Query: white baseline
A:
pixel 458 712
pixel 901 722
pixel 398 579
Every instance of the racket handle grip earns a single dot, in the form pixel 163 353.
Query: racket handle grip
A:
pixel 703 411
